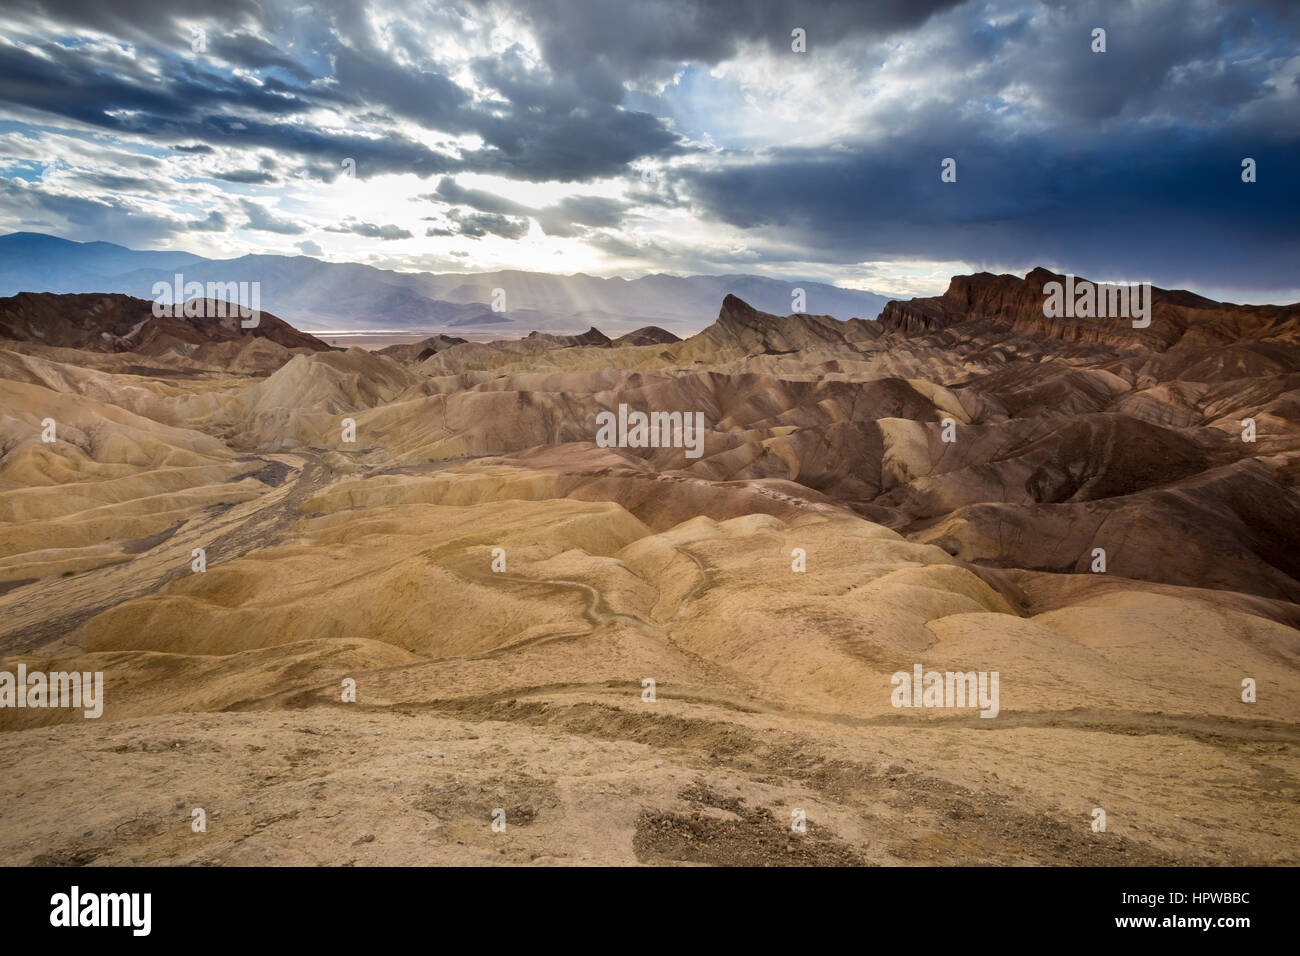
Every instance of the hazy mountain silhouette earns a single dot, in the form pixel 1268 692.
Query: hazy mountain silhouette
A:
pixel 323 296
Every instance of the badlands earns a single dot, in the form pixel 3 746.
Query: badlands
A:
pixel 358 607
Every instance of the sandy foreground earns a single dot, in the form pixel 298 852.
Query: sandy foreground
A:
pixel 769 698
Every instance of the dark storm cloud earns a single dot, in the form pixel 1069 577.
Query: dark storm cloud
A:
pixel 1157 62
pixel 588 210
pixel 562 123
pixel 371 230
pixel 324 152
pixel 135 20
pixel 449 192
pixel 108 89
pixel 254 177
pixel 215 222
pixel 1110 208
pixel 571 216
pixel 565 218
pixel 115 182
pixel 598 40
pixel 252 52
pixel 263 220
pixel 476 225
pixel 425 96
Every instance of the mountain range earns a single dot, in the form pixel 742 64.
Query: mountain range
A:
pixel 323 296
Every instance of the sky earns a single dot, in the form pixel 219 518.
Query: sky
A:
pixel 794 140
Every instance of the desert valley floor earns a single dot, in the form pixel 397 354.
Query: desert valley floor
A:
pixel 500 588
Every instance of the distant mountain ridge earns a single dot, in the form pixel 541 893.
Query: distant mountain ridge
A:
pixel 1178 318
pixel 108 322
pixel 325 296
